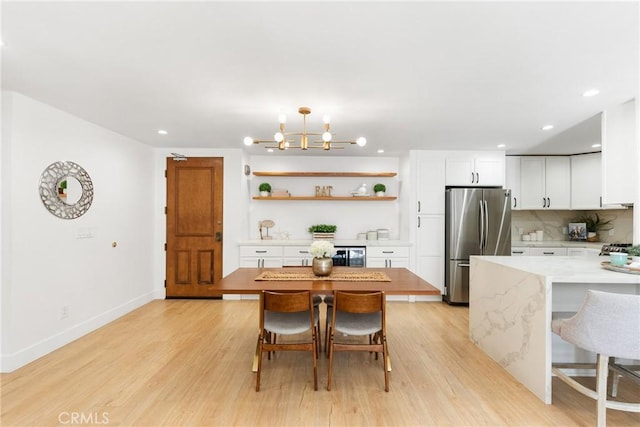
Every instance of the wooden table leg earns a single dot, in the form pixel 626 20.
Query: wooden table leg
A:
pixel 254 367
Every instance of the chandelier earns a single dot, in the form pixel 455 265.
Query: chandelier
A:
pixel 282 142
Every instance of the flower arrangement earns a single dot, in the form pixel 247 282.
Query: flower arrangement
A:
pixel 322 249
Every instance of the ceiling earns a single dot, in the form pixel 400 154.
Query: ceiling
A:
pixel 410 75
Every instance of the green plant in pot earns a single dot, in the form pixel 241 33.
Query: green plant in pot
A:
pixel 322 231
pixel 634 253
pixel 594 225
pixel 379 189
pixel 265 189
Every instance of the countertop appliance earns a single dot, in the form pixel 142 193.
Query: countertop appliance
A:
pixel 477 222
pixel 607 248
pixel 350 256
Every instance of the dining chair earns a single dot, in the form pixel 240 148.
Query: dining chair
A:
pixel 608 325
pixel 287 313
pixel 359 314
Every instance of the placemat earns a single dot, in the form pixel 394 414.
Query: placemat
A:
pixel 345 276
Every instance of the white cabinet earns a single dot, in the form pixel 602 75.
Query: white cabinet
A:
pixel 583 252
pixel 547 251
pixel 261 256
pixel 620 154
pixel 388 257
pixel 512 180
pixel 430 249
pixel 296 256
pixel 545 182
pixel 586 181
pixel 475 169
pixel 430 182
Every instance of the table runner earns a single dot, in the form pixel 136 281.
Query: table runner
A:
pixel 344 276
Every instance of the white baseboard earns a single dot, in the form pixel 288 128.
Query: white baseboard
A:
pixel 11 362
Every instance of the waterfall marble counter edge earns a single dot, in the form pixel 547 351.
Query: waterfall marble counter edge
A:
pixel 511 300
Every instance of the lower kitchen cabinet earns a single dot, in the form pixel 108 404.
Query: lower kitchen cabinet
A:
pixel 430 249
pixel 388 257
pixel 261 256
pixel 583 252
pixel 297 256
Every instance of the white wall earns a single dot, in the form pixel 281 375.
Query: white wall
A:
pixel 44 266
pixel 295 217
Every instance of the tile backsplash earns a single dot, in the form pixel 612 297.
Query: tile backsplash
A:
pixel 553 224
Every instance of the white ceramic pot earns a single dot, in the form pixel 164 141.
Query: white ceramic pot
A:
pixel 264 194
pixel 380 193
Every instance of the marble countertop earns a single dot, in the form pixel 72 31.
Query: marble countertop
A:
pixel 564 269
pixel 352 242
pixel 556 244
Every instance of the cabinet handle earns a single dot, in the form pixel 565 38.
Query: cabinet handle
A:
pixel 477 177
pixel 515 202
pixel 388 252
pixel 261 252
pixel 418 205
pixel 600 201
pixel 548 202
pixel 473 178
pixel 548 253
pixel 418 222
pixel 544 202
pixel 389 263
pixel 517 252
pixel 303 252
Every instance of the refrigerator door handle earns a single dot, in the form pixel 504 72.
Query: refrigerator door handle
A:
pixel 481 225
pixel 486 225
pixel 464 265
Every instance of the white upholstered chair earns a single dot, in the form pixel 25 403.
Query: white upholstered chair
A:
pixel 607 324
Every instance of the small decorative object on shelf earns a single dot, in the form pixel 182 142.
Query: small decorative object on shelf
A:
pixel 594 224
pixel 379 189
pixel 265 189
pixel 322 251
pixel 323 231
pixel 362 191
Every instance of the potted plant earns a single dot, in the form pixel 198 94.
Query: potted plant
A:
pixel 322 231
pixel 594 224
pixel 265 189
pixel 379 189
pixel 634 253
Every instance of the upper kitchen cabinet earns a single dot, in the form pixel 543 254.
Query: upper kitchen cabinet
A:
pixel 620 153
pixel 485 169
pixel 429 166
pixel 545 182
pixel 586 181
pixel 512 180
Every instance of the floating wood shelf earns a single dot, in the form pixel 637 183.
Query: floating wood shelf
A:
pixel 333 198
pixel 334 174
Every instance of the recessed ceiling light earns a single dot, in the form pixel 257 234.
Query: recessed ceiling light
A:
pixel 501 145
pixel 596 145
pixel 162 132
pixel 381 151
pixel 590 92
pixel 547 127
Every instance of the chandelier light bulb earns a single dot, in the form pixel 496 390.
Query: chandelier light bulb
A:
pixel 326 119
pixel 362 141
pixel 326 137
pixel 278 137
pixel 282 118
pixel 248 141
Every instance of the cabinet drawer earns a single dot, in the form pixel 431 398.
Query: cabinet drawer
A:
pixel 296 251
pixel 548 251
pixel 261 251
pixel 387 251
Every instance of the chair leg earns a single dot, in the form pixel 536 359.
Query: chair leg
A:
pixel 330 355
pixel 315 358
pixel 383 338
pixel 601 389
pixel 260 342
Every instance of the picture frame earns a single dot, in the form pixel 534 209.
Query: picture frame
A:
pixel 577 231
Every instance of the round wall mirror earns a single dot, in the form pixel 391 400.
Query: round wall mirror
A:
pixel 66 190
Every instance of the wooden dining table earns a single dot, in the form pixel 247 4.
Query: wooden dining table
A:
pixel 401 281
pixel 392 281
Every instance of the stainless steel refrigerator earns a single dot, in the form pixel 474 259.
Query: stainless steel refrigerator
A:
pixel 477 222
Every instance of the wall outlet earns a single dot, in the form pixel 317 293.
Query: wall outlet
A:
pixel 64 312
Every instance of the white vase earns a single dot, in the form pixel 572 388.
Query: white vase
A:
pixel 380 193
pixel 264 194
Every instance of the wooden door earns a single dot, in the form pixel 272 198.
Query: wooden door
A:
pixel 194 226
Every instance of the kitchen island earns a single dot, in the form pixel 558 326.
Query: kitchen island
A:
pixel 511 303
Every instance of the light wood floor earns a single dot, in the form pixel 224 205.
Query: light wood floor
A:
pixel 188 363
